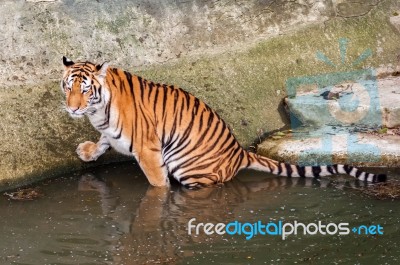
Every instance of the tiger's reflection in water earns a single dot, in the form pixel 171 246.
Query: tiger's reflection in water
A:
pixel 153 230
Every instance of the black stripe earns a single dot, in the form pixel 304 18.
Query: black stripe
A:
pixel 135 110
pixel 265 162
pixel 279 169
pixel 155 100
pixel 232 152
pixel 169 144
pixel 196 168
pixel 195 106
pixel 213 135
pixel 187 96
pixel 195 176
pixel 347 168
pixel 232 143
pixel 181 110
pixel 301 171
pixel 119 134
pixel 171 134
pixel 103 126
pixel 175 151
pixel 129 79
pixel 201 121
pixel 141 81
pixel 289 170
pixel 98 96
pixel 164 100
pixel 144 118
pixel 210 119
pixel 141 133
pixel 108 109
pixel 238 161
pixel 336 168
pixel 163 133
pixel 218 139
pixel 151 86
pixel 176 97
pixel 187 132
pixel 186 163
pixel 316 170
pixel 330 169
pixel 358 173
pixel 201 140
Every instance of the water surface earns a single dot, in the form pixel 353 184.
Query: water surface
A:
pixel 110 215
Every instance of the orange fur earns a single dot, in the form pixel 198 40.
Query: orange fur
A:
pixel 169 131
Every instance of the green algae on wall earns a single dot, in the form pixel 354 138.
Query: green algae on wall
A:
pixel 244 84
pixel 246 87
pixel 38 138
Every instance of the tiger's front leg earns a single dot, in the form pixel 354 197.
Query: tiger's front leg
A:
pixel 89 151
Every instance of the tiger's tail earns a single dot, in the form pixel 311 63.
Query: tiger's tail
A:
pixel 266 164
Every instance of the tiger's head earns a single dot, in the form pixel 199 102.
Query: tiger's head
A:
pixel 82 84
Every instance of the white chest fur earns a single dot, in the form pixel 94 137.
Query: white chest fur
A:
pixel 112 132
pixel 121 145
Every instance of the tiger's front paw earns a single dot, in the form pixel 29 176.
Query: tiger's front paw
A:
pixel 87 151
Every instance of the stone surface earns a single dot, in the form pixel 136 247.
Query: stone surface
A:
pixel 137 33
pixel 359 149
pixel 354 8
pixel 235 55
pixel 368 103
pixel 334 133
pixel 395 20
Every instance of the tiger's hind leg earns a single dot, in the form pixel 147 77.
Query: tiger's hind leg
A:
pixel 152 164
pixel 200 180
pixel 89 151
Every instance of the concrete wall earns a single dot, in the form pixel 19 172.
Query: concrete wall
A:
pixel 137 33
pixel 235 55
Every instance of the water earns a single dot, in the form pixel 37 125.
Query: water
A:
pixel 110 215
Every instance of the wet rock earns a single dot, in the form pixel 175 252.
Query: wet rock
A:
pixel 343 132
pixel 395 21
pixel 354 8
pixel 384 191
pixel 351 103
pixel 27 194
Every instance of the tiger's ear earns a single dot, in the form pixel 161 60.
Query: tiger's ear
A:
pixel 102 70
pixel 67 62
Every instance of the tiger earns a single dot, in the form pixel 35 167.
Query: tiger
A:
pixel 170 132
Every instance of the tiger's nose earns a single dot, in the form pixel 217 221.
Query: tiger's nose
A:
pixel 73 109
